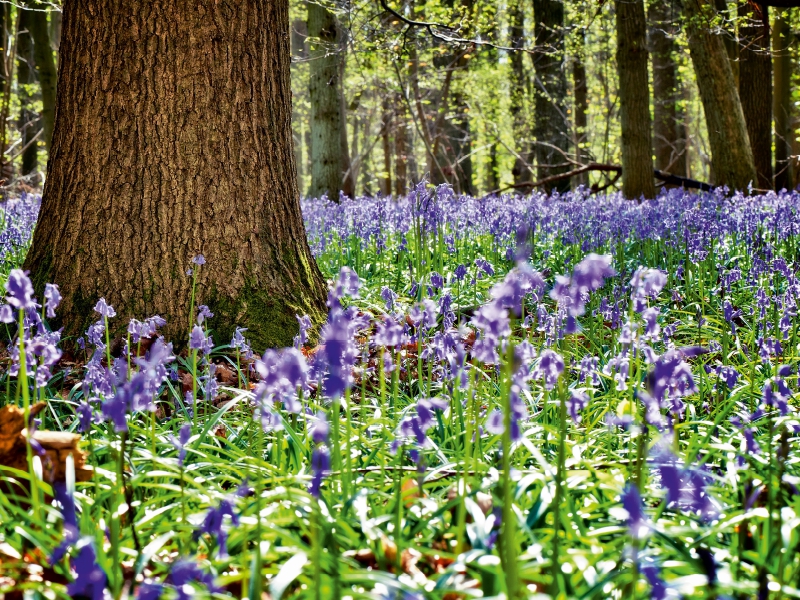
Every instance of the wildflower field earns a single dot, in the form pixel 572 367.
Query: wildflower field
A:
pixel 566 397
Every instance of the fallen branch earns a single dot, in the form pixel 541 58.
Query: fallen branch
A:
pixel 667 178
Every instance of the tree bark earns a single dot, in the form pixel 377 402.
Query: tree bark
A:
pixel 386 145
pixel 581 108
pixel 519 92
pixel 731 155
pixel 669 133
pixel 755 88
pixel 45 68
pixel 26 80
pixel 181 145
pixel 5 23
pixel 727 30
pixel 329 162
pixel 782 108
pixel 401 148
pixel 551 129
pixel 634 96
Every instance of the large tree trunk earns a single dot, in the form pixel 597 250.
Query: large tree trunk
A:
pixel 755 88
pixel 782 108
pixel 28 127
pixel 552 128
pixel 726 26
pixel 182 146
pixel 329 161
pixel 519 91
pixel 45 68
pixel 634 96
pixel 731 156
pixel 669 133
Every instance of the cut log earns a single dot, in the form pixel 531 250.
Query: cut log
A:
pixel 56 446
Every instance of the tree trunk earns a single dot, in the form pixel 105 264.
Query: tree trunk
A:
pixel 634 96
pixel 326 94
pixel 28 127
pixel 551 129
pixel 782 108
pixel 55 30
pixel 581 104
pixel 755 88
pixel 519 91
pixel 191 153
pixel 669 134
pixel 45 68
pixel 727 28
pixel 386 143
pixel 731 156
pixel 401 148
pixel 5 22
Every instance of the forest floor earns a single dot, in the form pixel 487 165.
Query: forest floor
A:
pixel 578 397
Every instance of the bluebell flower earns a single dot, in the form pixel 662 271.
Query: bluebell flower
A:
pixel 301 338
pixel 214 524
pixel 199 260
pixel 180 442
pixel 549 368
pixel 203 313
pixel 150 590
pixel 104 309
pixel 632 503
pixel 199 341
pixel 52 299
pixel 19 290
pixel 90 580
pixel 186 572
pixel 320 468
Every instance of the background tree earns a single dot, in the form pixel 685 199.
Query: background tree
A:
pixel 782 110
pixel 732 156
pixel 551 126
pixel 669 135
pixel 755 87
pixel 637 146
pixel 330 158
pixel 192 154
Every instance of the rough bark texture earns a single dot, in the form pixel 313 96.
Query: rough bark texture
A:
pixel 552 128
pixel 172 138
pixel 755 88
pixel 45 69
pixel 669 133
pixel 328 128
pixel 731 156
pixel 581 100
pixel 634 96
pixel 519 90
pixel 400 147
pixel 26 81
pixel 727 30
pixel 782 107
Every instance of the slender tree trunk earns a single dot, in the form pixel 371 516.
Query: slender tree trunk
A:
pixel 634 95
pixel 5 23
pixel 386 143
pixel 727 29
pixel 669 134
pixel 519 92
pixel 755 88
pixel 45 68
pixel 328 128
pixel 55 30
pixel 731 155
pixel 581 108
pixel 26 81
pixel 552 128
pixel 782 108
pixel 401 148
pixel 192 154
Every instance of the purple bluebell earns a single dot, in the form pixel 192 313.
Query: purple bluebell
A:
pixel 186 572
pixel 52 299
pixel 104 309
pixel 577 401
pixel 214 525
pixel 632 503
pixel 19 290
pixel 150 590
pixel 199 260
pixel 320 467
pixel 90 580
pixel 549 368
pixel 304 324
pixel 180 442
pixel 198 340
pixel 203 314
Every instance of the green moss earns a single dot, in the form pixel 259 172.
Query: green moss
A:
pixel 269 319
